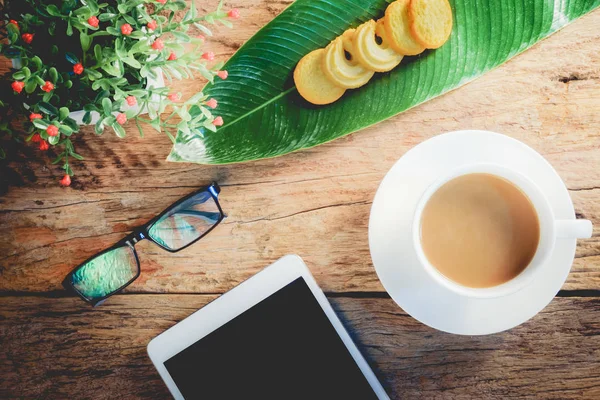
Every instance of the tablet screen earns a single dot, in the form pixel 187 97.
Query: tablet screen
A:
pixel 282 348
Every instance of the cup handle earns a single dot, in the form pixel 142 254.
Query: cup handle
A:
pixel 573 228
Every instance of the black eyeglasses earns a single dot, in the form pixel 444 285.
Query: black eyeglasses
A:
pixel 176 228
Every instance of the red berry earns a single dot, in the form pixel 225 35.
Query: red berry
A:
pixel 27 37
pixel 158 45
pixel 218 121
pixel 234 13
pixel 65 181
pixel 44 145
pixel 52 130
pixel 212 103
pixel 15 23
pixel 18 86
pixel 209 55
pixel 36 138
pixel 126 29
pixel 131 100
pixel 48 87
pixel 33 116
pixel 78 69
pixel 152 25
pixel 94 21
pixel 162 1
pixel 174 97
pixel 172 57
pixel 222 74
pixel 121 118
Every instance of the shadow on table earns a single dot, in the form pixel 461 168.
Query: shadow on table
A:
pixel 554 355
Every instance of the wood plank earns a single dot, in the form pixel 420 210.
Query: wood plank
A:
pixel 60 347
pixel 331 234
pixel 316 202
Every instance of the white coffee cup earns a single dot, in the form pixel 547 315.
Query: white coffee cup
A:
pixel 551 230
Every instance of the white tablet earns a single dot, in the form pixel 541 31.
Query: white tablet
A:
pixel 274 336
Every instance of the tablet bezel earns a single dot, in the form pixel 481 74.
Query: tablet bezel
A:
pixel 239 299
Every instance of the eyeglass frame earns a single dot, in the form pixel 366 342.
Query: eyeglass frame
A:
pixel 141 233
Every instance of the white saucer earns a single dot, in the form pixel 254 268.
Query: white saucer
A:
pixel 392 250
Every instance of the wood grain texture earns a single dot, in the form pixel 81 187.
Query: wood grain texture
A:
pixel 61 348
pixel 316 202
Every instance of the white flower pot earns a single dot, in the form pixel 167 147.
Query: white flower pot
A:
pixel 159 82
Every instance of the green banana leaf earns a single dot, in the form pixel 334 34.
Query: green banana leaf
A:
pixel 266 117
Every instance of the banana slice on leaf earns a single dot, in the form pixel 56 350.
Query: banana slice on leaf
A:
pixel 340 64
pixel 371 53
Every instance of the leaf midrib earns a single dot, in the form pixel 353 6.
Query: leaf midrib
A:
pixel 280 95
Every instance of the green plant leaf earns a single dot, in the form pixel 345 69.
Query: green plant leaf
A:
pixel 39 80
pixel 107 106
pixel 13 33
pixel 84 12
pixel 181 37
pixel 47 97
pixel 77 156
pixel 265 116
pixel 53 74
pixel 204 29
pixel 37 62
pixel 47 108
pixel 130 20
pixel 106 16
pixel 58 158
pixel 66 130
pixel 87 118
pixel 99 127
pixel 71 123
pixel 40 124
pixel 63 113
pixel 137 35
pixel 120 48
pixel 113 31
pixel 94 74
pixel 53 10
pixel 53 139
pixel 86 41
pixel 119 131
pixel 30 86
pixel 132 62
pixel 98 53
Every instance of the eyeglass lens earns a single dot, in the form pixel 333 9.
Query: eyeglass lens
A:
pixel 106 273
pixel 186 222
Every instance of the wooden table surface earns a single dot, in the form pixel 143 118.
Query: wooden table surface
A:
pixel 314 203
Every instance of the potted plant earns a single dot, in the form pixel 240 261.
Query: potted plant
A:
pixel 102 62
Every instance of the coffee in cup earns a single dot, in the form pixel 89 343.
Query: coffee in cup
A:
pixel 479 230
pixel 484 230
